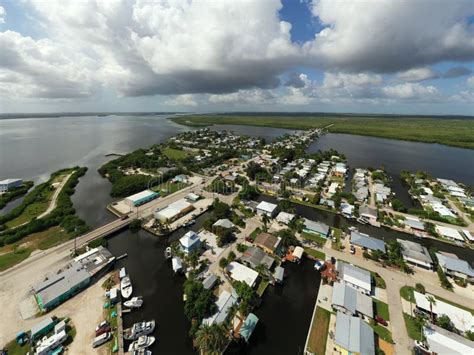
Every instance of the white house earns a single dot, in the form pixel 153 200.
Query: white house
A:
pixel 284 217
pixel 270 209
pixel 242 273
pixel 355 277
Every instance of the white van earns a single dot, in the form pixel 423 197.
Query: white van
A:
pixel 101 339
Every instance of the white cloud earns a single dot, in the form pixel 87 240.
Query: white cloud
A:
pixel 470 81
pixel 182 100
pixel 417 74
pixel 250 96
pixel 3 14
pixel 340 80
pixel 411 91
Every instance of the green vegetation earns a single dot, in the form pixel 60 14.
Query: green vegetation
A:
pixel 314 238
pixel 315 253
pixel 382 332
pixel 262 287
pixel 319 332
pixel 199 302
pixel 10 259
pixel 175 154
pixel 15 193
pixel 381 309
pixel 443 279
pixel 450 131
pixel 406 292
pixel 379 281
pixel 413 327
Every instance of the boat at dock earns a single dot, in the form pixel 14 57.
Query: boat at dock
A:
pixel 134 302
pixel 143 342
pixel 168 253
pixel 142 352
pixel 139 329
pixel 126 287
pixel 122 273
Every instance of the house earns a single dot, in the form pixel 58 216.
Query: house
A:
pixel 298 254
pixel 347 210
pixel 279 274
pixel 366 242
pixel 414 224
pixel 355 277
pixel 440 341
pixel 368 213
pixel 223 304
pixel 224 223
pixel 192 197
pixel 353 336
pixel 455 267
pixel 351 302
pixel 248 327
pixel 318 228
pixel 190 242
pixel 462 320
pixel 255 256
pixel 332 189
pixel 242 273
pixel 469 235
pixel 180 178
pixel 416 254
pixel 285 218
pixel 270 209
pixel 9 184
pixel 268 242
pixel 174 211
pixel 209 281
pixel 449 233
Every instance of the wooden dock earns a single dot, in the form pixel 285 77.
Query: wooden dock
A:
pixel 121 350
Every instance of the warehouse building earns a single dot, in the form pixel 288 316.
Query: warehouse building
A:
pixel 174 211
pixel 8 184
pixel 141 198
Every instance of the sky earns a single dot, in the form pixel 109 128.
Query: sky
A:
pixel 363 56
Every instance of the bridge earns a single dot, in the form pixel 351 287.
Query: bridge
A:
pixel 105 230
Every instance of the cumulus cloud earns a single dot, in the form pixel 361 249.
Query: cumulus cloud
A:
pixel 3 14
pixel 470 81
pixel 182 100
pixel 417 74
pixel 341 80
pixel 411 91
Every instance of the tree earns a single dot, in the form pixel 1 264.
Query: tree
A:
pixel 443 321
pixel 288 238
pixel 420 288
pixel 470 335
pixel 376 254
pixel 223 262
pixel 398 205
pixel 265 220
pixel 432 301
pixel 193 259
pixel 231 256
pixel 199 301
pixel 244 291
pixel 211 339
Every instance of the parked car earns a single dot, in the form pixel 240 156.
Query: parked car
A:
pixel 101 325
pixel 102 330
pixel 353 249
pixel 101 339
pixel 380 320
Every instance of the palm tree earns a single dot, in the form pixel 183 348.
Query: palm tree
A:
pixel 211 339
pixel 262 269
pixel 431 301
pixel 265 220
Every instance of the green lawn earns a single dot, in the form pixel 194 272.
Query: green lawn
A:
pixel 14 349
pixel 314 238
pixel 383 333
pixel 168 188
pixel 337 245
pixel 262 287
pixel 413 330
pixel 175 154
pixel 315 253
pixel 319 332
pixel 406 292
pixel 12 258
pixel 30 212
pixel 381 309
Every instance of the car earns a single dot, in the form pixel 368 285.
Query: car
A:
pixel 353 249
pixel 124 217
pixel 380 320
pixel 101 339
pixel 103 324
pixel 102 330
pixel 421 346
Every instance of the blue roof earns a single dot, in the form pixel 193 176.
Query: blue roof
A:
pixel 248 327
pixel 366 241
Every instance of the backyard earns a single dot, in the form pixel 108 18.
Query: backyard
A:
pixel 319 332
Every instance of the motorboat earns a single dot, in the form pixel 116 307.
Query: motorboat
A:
pixel 134 302
pixel 143 342
pixel 189 223
pixel 139 329
pixel 142 352
pixel 126 287
pixel 122 273
pixel 168 253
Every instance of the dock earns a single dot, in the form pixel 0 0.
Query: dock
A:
pixel 121 350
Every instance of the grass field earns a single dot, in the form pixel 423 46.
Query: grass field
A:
pixel 314 238
pixel 315 253
pixel 383 332
pixel 406 292
pixel 175 154
pixel 413 330
pixel 319 332
pixel 381 309
pixel 450 131
pixel 262 287
pixel 12 258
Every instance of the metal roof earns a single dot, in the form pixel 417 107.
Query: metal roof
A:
pixel 256 256
pixel 224 223
pixel 355 275
pixel 279 273
pixel 248 327
pixel 318 227
pixel 441 341
pixel 352 300
pixel 455 264
pixel 354 335
pixel 267 206
pixel 209 281
pixel 223 303
pixel 415 251
pixel 366 241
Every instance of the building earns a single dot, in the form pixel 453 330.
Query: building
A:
pixel 141 198
pixel 209 281
pixel 440 341
pixel 416 254
pixel 279 274
pixel 224 223
pixel 285 218
pixel 298 254
pixel 224 303
pixel 242 273
pixel 192 197
pixel 367 242
pixel 270 209
pixel 355 277
pixel 248 327
pixel 8 184
pixel 268 242
pixel 449 233
pixel 190 242
pixel 455 267
pixel 254 256
pixel 462 320
pixel 414 224
pixel 368 213
pixel 353 336
pixel 318 228
pixel 332 189
pixel 174 211
pixel 351 302
pixel 43 327
pixel 347 210
pixel 469 235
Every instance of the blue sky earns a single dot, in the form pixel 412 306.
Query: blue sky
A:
pixel 97 55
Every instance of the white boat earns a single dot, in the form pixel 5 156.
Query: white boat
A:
pixel 143 342
pixel 168 253
pixel 139 329
pixel 122 273
pixel 142 352
pixel 126 287
pixel 134 302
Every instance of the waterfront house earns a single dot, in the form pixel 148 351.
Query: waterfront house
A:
pixel 364 241
pixel 285 217
pixel 177 264
pixel 298 254
pixel 209 281
pixel 174 211
pixel 318 228
pixel 141 198
pixel 416 254
pixel 268 242
pixel 239 272
pixel 355 277
pixel 455 267
pixel 224 303
pixel 449 233
pixel 461 319
pixel 224 223
pixel 332 189
pixel 270 209
pixel 368 213
pixel 190 242
pixel 254 256
pixel 279 274
pixel 347 210
pixel 353 336
pixel 248 327
pixel 414 224
pixel 351 302
pixel 9 184
pixel 469 235
pixel 441 341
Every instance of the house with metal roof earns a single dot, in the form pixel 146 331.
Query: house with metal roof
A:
pixel 209 281
pixel 365 241
pixel 190 242
pixel 270 209
pixel 350 301
pixel 368 213
pixel 455 267
pixel 449 233
pixel 224 223
pixel 248 327
pixel 353 336
pixel 355 277
pixel 225 301
pixel 285 217
pixel 242 273
pixel 279 274
pixel 414 224
pixel 318 228
pixel 254 256
pixel 416 254
pixel 441 341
